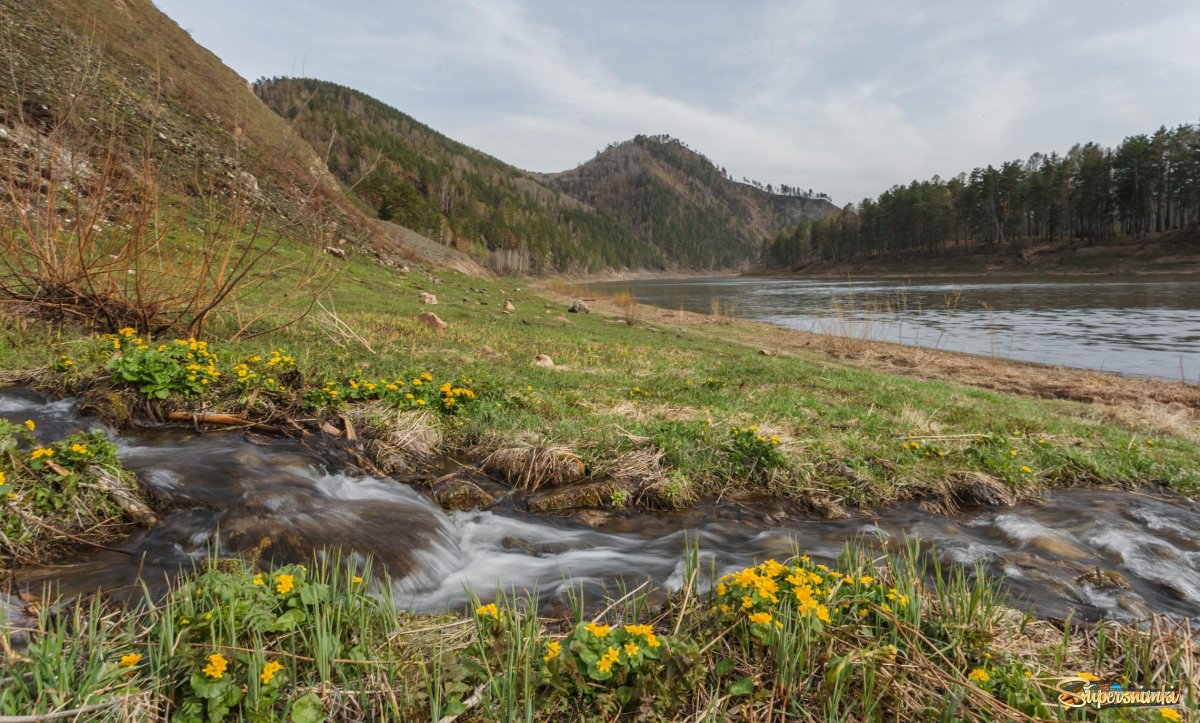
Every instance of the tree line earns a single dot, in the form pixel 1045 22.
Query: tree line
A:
pixel 1148 183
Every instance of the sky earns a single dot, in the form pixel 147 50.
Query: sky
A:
pixel 848 98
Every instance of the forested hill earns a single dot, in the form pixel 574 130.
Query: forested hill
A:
pixel 408 173
pixel 1092 194
pixel 683 204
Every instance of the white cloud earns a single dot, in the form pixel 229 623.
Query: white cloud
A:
pixel 849 98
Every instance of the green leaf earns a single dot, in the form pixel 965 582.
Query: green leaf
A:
pixel 454 706
pixel 287 621
pixel 308 709
pixel 724 666
pixel 745 686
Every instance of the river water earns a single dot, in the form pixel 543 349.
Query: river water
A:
pixel 1138 325
pixel 231 491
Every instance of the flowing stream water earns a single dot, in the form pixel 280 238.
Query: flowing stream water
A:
pixel 1139 325
pixel 231 490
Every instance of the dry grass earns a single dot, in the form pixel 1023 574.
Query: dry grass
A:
pixel 530 467
pixel 398 441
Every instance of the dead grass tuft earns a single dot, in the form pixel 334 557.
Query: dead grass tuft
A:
pixel 531 467
pixel 398 441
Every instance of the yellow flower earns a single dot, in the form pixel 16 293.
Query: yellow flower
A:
pixel 760 617
pixel 1150 442
pixel 1169 714
pixel 598 630
pixel 421 401
pixel 631 649
pixel 78 448
pixel 357 579
pixel 605 663
pixel 648 633
pixel 128 661
pixel 490 610
pixel 258 579
pixel 216 666
pixel 41 452
pixel 269 670
pixel 1088 676
pixel 866 579
pixel 979 675
pixel 1012 452
pixel 30 425
pixel 427 376
pixel 553 650
pixel 284 584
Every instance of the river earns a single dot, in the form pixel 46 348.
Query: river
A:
pixel 229 491
pixel 1138 325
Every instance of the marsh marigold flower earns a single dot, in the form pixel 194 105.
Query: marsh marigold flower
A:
pixel 489 611
pixel 979 675
pixel 128 661
pixel 760 618
pixel 216 666
pixel 605 663
pixel 284 584
pixel 30 425
pixel 269 670
pixel 598 630
pixel 553 650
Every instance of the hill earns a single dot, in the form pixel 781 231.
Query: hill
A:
pixel 405 171
pixel 683 204
pixel 117 82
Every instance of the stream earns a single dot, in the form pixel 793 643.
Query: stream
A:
pixel 231 490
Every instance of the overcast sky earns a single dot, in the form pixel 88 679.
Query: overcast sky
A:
pixel 843 97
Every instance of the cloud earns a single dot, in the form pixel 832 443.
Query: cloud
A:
pixel 848 98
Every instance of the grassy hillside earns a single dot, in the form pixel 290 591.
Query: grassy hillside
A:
pixel 681 203
pixel 408 173
pixel 116 87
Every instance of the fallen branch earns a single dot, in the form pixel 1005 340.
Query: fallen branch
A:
pixel 231 420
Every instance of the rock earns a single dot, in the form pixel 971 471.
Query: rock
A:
pixel 579 308
pixel 428 298
pixel 766 352
pixel 596 494
pixel 335 251
pixel 508 306
pixel 562 318
pixel 592 518
pixel 432 320
pixel 543 360
pixel 460 494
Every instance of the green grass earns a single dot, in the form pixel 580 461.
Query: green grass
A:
pixel 875 639
pixel 846 432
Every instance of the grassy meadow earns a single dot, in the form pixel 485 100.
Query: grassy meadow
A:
pixel 641 408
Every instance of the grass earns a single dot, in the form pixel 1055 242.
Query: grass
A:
pixel 675 391
pixel 875 637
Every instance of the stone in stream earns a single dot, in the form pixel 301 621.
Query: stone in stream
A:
pixel 457 493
